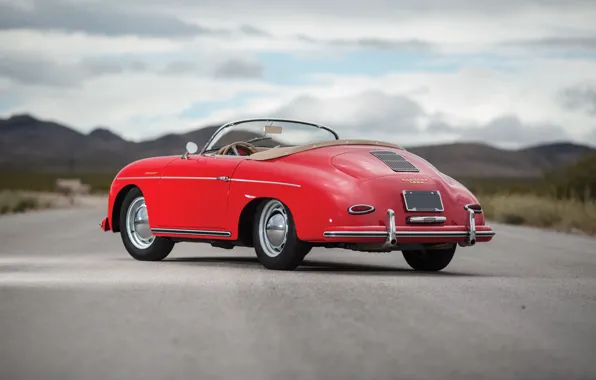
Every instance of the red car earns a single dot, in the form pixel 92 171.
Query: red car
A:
pixel 286 186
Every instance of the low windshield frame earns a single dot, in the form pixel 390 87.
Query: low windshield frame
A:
pixel 221 129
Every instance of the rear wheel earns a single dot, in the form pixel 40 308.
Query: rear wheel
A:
pixel 431 260
pixel 135 232
pixel 274 235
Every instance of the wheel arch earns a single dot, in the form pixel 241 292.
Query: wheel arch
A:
pixel 246 218
pixel 116 208
pixel 245 221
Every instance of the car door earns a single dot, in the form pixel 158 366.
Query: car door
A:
pixel 193 192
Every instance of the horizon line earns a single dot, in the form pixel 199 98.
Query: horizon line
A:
pixel 215 125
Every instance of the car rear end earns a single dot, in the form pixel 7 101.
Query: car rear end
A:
pixel 397 200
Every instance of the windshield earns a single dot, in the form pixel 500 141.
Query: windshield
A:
pixel 270 133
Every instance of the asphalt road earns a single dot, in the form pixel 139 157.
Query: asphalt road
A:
pixel 74 305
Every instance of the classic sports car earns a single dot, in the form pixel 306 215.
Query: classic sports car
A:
pixel 286 186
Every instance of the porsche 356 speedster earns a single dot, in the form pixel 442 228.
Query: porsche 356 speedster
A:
pixel 286 186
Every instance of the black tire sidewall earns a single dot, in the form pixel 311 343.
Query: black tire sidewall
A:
pixel 158 250
pixel 293 252
pixel 432 260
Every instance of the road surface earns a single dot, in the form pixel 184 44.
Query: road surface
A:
pixel 74 305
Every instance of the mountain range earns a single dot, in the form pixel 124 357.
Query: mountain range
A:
pixel 30 144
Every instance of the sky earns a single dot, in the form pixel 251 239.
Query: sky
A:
pixel 509 73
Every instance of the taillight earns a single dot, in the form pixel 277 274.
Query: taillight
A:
pixel 361 209
pixel 474 207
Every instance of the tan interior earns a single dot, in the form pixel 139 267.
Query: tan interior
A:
pixel 271 153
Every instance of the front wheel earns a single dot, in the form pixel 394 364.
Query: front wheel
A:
pixel 136 233
pixel 275 239
pixel 431 260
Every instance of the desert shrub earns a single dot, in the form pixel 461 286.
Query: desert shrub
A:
pixel 575 181
pixel 45 181
pixel 541 211
pixel 14 202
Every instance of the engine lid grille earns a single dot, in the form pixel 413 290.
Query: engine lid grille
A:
pixel 396 162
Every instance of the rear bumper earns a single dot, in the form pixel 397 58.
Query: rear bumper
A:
pixel 466 235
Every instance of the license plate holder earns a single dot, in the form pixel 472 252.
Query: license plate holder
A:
pixel 423 201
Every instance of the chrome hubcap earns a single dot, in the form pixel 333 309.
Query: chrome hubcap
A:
pixel 273 228
pixel 137 224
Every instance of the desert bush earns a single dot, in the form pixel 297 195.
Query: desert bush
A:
pixel 541 211
pixel 45 181
pixel 14 202
pixel 575 181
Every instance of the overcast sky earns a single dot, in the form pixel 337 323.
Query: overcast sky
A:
pixel 507 72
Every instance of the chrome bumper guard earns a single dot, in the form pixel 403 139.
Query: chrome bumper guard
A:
pixel 391 230
pixel 392 234
pixel 471 235
pixel 472 211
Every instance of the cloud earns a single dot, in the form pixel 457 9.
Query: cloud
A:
pixel 35 70
pixel 400 118
pixel 239 68
pixel 459 25
pixel 71 47
pixel 586 43
pixel 371 42
pixel 370 9
pixel 590 137
pixel 251 30
pixel 40 70
pixel 405 70
pixel 503 130
pixel 579 98
pixel 181 68
pixel 359 112
pixel 94 18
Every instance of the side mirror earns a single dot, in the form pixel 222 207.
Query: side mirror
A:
pixel 191 148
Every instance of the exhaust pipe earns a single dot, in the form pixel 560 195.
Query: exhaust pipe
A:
pixel 467 243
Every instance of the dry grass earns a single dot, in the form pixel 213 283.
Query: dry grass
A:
pixel 567 215
pixel 16 201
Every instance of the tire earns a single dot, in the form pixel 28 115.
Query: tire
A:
pixel 137 237
pixel 432 260
pixel 277 248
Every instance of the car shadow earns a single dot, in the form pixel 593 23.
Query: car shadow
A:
pixel 317 266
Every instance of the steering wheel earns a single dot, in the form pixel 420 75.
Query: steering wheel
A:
pixel 233 148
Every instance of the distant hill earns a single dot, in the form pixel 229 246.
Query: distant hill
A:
pixel 481 160
pixel 30 144
pixel 27 143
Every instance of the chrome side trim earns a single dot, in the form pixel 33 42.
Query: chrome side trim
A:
pixel 264 182
pixel 174 231
pixel 136 178
pixel 355 234
pixel 191 178
pixel 167 177
pixel 443 233
pixel 221 178
pixel 398 234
